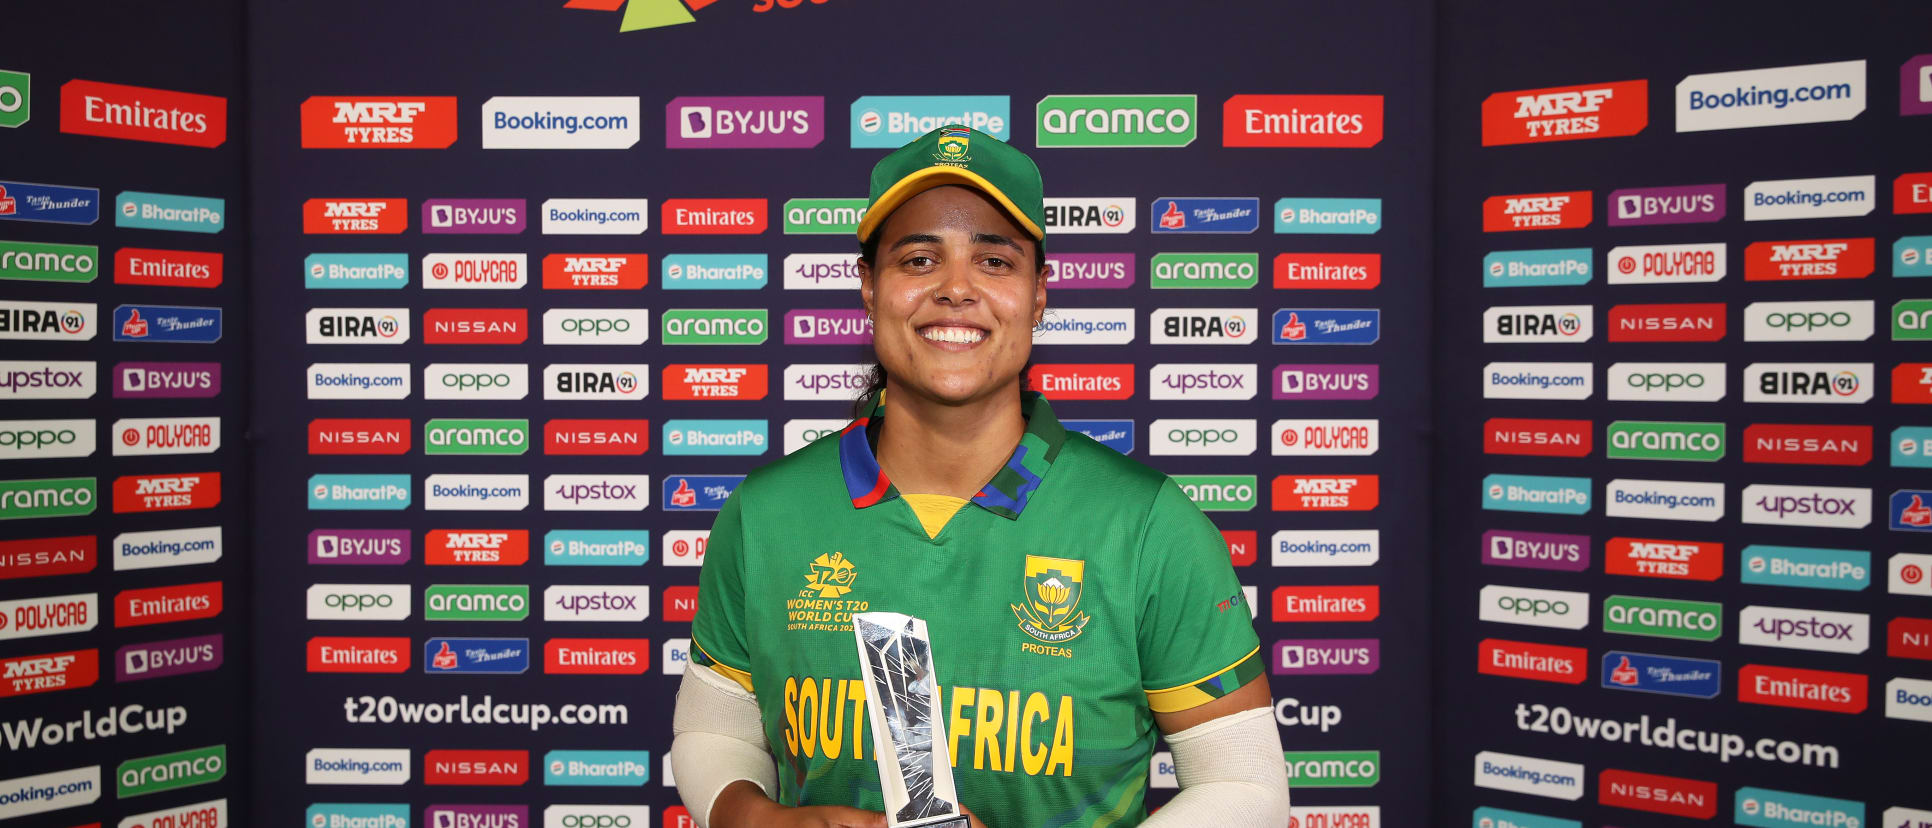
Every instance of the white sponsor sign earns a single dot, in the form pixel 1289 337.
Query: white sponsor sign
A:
pixel 1825 506
pixel 358 380
pixel 1911 817
pixel 1779 96
pixel 1160 771
pixel 600 816
pixel 1538 323
pixel 1529 775
pixel 34 439
pixel 561 123
pixel 476 381
pixel 1665 381
pixel 356 766
pixel 167 547
pixel 1202 326
pixel 685 547
pixel 596 326
pixel 821 271
pixel 358 602
pixel 45 380
pixel 70 321
pixel 1846 321
pixel 1534 607
pixel 1538 380
pixel 596 216
pixel 1807 198
pixel 1211 381
pixel 596 492
pixel 1804 629
pixel 627 382
pixel 1325 438
pixel 829 383
pixel 1353 816
pixel 166 435
pixel 475 271
pixel 1808 382
pixel 357 326
pixel 55 791
pixel 476 492
pixel 1218 438
pixel 596 603
pixel 1086 326
pixel 1326 547
pixel 1664 500
pixel 800 433
pixel 1908 699
pixel 1911 574
pixel 1653 264
pixel 1253 594
pixel 1084 216
pixel 210 814
pixel 50 615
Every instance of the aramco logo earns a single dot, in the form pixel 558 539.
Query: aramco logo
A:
pixel 645 14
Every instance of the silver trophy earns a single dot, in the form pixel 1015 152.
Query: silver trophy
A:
pixel 902 694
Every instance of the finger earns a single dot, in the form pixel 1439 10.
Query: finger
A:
pixel 854 818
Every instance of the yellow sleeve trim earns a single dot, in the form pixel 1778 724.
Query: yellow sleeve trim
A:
pixel 1206 688
pixel 740 676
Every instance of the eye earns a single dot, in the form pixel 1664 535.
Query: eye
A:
pixel 996 262
pixel 920 261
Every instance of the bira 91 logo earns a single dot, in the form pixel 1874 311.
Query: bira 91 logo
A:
pixel 1811 445
pixel 696 216
pixel 49 672
pixel 1539 438
pixel 476 547
pixel 165 605
pixel 1785 261
pixel 139 113
pixel 1695 322
pixel 476 326
pixel 1811 382
pixel 372 216
pixel 601 381
pixel 1328 271
pixel 1677 559
pixel 42 557
pixel 164 268
pixel 1673 795
pixel 357 326
pixel 715 382
pixel 71 321
pixel 1349 121
pixel 1325 492
pixel 1066 381
pixel 1566 113
pixel 601 437
pixel 1565 210
pixel 167 492
pixel 1327 603
pixel 1536 662
pixel 1538 323
pixel 476 767
pixel 1804 689
pixel 599 271
pixel 378 123
pixel 598 656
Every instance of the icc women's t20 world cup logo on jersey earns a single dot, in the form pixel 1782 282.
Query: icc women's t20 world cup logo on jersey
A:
pixel 829 576
pixel 1051 599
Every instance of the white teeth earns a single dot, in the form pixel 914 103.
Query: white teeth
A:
pixel 961 336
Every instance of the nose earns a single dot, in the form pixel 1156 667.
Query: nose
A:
pixel 956 284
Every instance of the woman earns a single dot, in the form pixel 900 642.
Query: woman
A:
pixel 1076 600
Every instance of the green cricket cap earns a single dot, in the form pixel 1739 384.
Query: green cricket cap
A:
pixel 960 155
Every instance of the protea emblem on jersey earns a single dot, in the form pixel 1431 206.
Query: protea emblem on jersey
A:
pixel 829 576
pixel 1050 591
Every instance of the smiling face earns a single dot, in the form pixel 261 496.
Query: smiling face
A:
pixel 954 292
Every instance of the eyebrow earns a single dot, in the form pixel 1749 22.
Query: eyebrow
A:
pixel 995 238
pixel 915 238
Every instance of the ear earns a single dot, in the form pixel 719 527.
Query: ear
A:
pixel 1040 291
pixel 866 291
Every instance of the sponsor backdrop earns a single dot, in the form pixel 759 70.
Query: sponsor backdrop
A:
pixel 1678 575
pixel 123 480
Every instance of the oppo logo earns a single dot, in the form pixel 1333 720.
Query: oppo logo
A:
pixel 1665 382
pixel 353 601
pixel 1808 321
pixel 482 380
pixel 1202 437
pixel 1535 607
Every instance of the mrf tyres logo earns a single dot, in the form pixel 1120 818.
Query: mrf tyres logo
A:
pixel 1566 113
pixel 378 123
pixel 1537 211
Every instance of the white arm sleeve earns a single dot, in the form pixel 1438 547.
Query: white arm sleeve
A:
pixel 1231 773
pixel 717 739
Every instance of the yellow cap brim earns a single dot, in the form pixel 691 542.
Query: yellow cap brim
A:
pixel 940 175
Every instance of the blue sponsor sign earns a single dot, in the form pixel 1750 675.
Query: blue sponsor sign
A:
pixel 161 211
pixel 1538 268
pixel 166 323
pixel 1777 809
pixel 891 121
pixel 574 547
pixel 716 437
pixel 1912 446
pixel 335 271
pixel 1327 326
pixel 1114 434
pixel 24 201
pixel 1697 678
pixel 1912 256
pixel 1359 216
pixel 1537 493
pixel 715 271
pixel 1911 510
pixel 1204 215
pixel 360 814
pixel 389 492
pixel 1499 818
pixel 1799 566
pixel 500 656
pixel 604 768
pixel 698 492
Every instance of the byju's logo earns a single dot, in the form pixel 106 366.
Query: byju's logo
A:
pixel 475 215
pixel 698 493
pixel 1689 204
pixel 1696 678
pixel 1327 657
pixel 1091 270
pixel 1326 382
pixel 1536 550
pixel 1204 215
pixel 835 326
pixel 744 122
pixel 889 121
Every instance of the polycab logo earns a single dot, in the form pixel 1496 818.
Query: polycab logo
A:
pixel 1538 323
pixel 1811 382
pixel 1328 271
pixel 1805 689
pixel 476 547
pixel 1172 381
pixel 1351 121
pixel 1689 204
pixel 139 113
pixel 1534 607
pixel 601 271
pixel 49 672
pixel 1696 322
pixel 1566 113
pixel 1536 662
pixel 1673 795
pixel 48 615
pixel 1788 261
pixel 476 767
pixel 476 326
pixel 164 268
pixel 165 605
pixel 1325 438
pixel 1665 264
pixel 1070 381
pixel 166 435
pixel 598 656
pixel 1325 492
pixel 368 216
pixel 1843 321
pixel 713 216
pixel 1909 638
pixel 1910 574
pixel 1539 438
pixel 1778 96
pixel 1676 559
pixel 475 271
pixel 1804 629
pixel 1912 193
pixel 1221 438
pixel 41 557
pixel 1695 678
pixel 357 326
pixel 1812 445
pixel 1538 381
pixel 685 547
pixel 1327 603
pixel 167 492
pixel 1536 550
pixel 604 437
pixel 1565 210
pixel 1326 382
pixel 1241 546
pixel 378 123
pixel 744 122
pixel 715 382
pixel 1079 216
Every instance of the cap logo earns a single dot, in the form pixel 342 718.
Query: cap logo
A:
pixel 953 143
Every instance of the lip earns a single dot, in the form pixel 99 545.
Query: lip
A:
pixel 953 323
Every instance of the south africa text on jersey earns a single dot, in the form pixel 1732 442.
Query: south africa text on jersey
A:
pixel 1009 731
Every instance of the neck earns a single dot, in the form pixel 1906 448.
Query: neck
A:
pixel 931 447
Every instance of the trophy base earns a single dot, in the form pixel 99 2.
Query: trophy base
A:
pixel 938 822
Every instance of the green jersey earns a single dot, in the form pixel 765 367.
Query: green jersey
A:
pixel 1078 593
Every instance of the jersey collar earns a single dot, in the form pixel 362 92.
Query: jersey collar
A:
pixel 1005 495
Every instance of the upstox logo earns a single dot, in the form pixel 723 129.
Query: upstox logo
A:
pixel 1115 121
pixel 730 326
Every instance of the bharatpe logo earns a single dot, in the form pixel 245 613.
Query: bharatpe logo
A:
pixel 1538 381
pixel 1204 215
pixel 1691 204
pixel 1537 493
pixel 161 211
pixel 53 203
pixel 1806 198
pixel 390 492
pixel 1205 270
pixel 561 123
pixel 1501 818
pixel 1090 270
pixel 1696 678
pixel 1115 121
pixel 475 602
pixel 171 771
pixel 744 122
pixel 602 768
pixel 1352 216
pixel 716 437
pixel 604 547
pixel 1779 809
pixel 1538 268
pixel 324 271
pixel 1114 434
pixel 1536 550
pixel 699 492
pixel 1664 500
pixel 1079 216
pixel 1663 617
pixel 1798 566
pixel 1327 326
pixel 1912 256
pixel 1804 629
pixel 1911 446
pixel 890 121
pixel 596 492
pixel 496 656
pixel 1784 95
pixel 824 216
pixel 688 326
pixel 715 271
pixel 1529 775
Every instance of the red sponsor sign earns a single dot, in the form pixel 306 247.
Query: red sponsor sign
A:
pixel 1783 261
pixel 476 547
pixel 597 656
pixel 1327 603
pixel 327 436
pixel 1912 383
pixel 1541 438
pixel 1693 798
pixel 1912 193
pixel 140 113
pixel 1566 113
pixel 476 767
pixel 625 437
pixel 347 654
pixel 378 122
pixel 1242 546
pixel 37 557
pixel 49 672
pixel 1537 211
pixel 680 603
pixel 1909 638
pixel 596 271
pixel 1810 445
pixel 677 817
pixel 378 216
pixel 1301 121
pixel 168 604
pixel 476 326
pixel 1326 492
pixel 1537 662
pixel 714 382
pixel 1808 689
pixel 167 268
pixel 690 216
pixel 1695 322
pixel 1328 271
pixel 1651 558
pixel 167 492
pixel 1071 381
